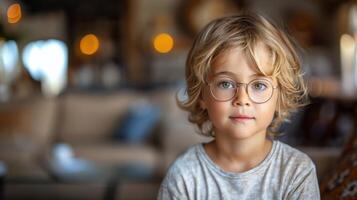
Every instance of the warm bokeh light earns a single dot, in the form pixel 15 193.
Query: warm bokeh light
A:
pixel 89 44
pixel 14 13
pixel 163 43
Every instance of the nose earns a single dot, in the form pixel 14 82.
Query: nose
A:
pixel 241 97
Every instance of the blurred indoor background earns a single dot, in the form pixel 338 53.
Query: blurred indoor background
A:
pixel 88 87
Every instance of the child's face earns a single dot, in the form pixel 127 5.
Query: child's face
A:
pixel 242 116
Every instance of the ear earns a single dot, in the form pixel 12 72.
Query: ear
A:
pixel 202 104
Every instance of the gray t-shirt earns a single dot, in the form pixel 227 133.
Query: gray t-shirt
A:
pixel 286 173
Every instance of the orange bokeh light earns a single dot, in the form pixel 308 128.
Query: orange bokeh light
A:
pixel 14 13
pixel 163 43
pixel 89 44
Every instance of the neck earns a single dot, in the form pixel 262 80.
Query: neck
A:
pixel 239 155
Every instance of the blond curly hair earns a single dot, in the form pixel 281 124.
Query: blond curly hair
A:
pixel 244 31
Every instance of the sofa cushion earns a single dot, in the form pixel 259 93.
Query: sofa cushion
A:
pixel 116 154
pixel 138 123
pixel 91 118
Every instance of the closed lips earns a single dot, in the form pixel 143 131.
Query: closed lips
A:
pixel 241 117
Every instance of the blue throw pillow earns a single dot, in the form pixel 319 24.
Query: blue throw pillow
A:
pixel 138 123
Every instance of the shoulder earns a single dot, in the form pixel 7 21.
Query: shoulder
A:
pixel 296 166
pixel 179 175
pixel 185 164
pixel 300 173
pixel 295 157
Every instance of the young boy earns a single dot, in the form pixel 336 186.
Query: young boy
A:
pixel 243 80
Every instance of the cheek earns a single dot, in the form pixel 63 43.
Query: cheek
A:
pixel 268 109
pixel 265 110
pixel 217 110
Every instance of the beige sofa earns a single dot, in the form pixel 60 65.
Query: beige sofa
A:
pixel 87 121
pixel 30 129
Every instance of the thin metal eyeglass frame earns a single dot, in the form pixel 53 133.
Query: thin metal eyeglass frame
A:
pixel 246 91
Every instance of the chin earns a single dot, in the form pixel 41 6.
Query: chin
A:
pixel 240 133
pixel 245 132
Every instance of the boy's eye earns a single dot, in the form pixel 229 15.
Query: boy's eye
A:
pixel 259 85
pixel 225 84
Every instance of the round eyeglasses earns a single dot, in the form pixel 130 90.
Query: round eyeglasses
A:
pixel 225 89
